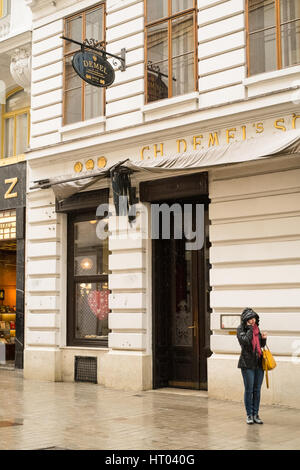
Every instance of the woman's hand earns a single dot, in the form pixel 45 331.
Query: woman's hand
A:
pixel 264 335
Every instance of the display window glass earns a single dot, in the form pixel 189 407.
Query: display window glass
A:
pixel 88 292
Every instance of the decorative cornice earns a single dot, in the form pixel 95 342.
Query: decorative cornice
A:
pixel 35 5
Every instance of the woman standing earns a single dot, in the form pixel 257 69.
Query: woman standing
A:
pixel 252 341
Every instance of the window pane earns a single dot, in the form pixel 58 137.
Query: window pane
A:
pixel 157 43
pixel 90 252
pixel 289 10
pixel 73 31
pixel 22 133
pixel 179 5
pixel 290 43
pixel 93 102
pixel 17 101
pixel 183 74
pixel 72 79
pixel 157 79
pixel 182 35
pixel 94 24
pixel 9 138
pixel 73 106
pixel 263 51
pixel 91 311
pixel 156 9
pixel 261 14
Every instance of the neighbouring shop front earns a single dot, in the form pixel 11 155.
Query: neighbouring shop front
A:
pixel 12 239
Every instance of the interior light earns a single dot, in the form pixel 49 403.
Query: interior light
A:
pixel 86 263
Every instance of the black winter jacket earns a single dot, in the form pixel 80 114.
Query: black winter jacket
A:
pixel 249 359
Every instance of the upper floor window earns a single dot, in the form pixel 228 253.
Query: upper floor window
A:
pixel 273 34
pixel 4 8
pixel 81 100
pixel 15 124
pixel 171 45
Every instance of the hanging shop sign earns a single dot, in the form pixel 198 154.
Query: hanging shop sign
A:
pixel 93 69
pixel 91 63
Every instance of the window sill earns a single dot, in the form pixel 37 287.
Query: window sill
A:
pixel 80 128
pixel 169 102
pixel 268 76
pixel 86 348
pixel 168 106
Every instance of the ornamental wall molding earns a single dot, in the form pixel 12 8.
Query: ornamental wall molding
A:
pixel 4 26
pixel 37 4
pixel 20 67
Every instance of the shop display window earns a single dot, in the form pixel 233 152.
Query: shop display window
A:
pixel 87 281
pixel 7 287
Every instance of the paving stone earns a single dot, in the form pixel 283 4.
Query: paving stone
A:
pixel 67 416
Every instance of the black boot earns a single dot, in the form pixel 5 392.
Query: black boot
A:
pixel 257 419
pixel 249 419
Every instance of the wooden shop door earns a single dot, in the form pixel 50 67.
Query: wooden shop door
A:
pixel 179 314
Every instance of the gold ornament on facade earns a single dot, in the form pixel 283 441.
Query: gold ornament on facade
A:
pixel 102 162
pixel 90 164
pixel 78 167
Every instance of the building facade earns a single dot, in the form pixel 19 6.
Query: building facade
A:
pixel 213 84
pixel 15 87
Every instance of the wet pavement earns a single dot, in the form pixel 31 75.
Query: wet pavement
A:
pixel 83 416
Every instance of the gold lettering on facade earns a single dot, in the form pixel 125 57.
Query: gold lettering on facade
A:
pixel 213 139
pixel 179 142
pixel 9 194
pixel 244 132
pixel 229 134
pixel 161 150
pixel 196 142
pixel 278 126
pixel 295 117
pixel 143 150
pixel 259 127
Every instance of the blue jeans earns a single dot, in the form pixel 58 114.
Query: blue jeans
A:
pixel 253 379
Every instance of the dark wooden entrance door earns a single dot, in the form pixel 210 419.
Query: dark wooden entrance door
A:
pixel 181 324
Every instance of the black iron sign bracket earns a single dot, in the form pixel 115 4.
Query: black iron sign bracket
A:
pixel 98 47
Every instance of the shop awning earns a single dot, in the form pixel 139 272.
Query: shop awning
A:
pixel 288 143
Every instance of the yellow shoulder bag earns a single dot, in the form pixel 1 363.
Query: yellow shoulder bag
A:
pixel 268 362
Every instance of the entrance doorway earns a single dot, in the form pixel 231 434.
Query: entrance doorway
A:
pixel 180 308
pixel 180 287
pixel 8 289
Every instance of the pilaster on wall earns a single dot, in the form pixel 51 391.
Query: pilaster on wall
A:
pixel 43 299
pixel 255 236
pixel 130 317
pixel 221 51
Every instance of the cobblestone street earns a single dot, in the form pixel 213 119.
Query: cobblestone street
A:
pixel 78 416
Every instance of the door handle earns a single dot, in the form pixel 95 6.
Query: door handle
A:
pixel 194 326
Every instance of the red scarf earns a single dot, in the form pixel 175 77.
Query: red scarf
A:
pixel 255 340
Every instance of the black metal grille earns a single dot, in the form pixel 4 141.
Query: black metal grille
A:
pixel 85 369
